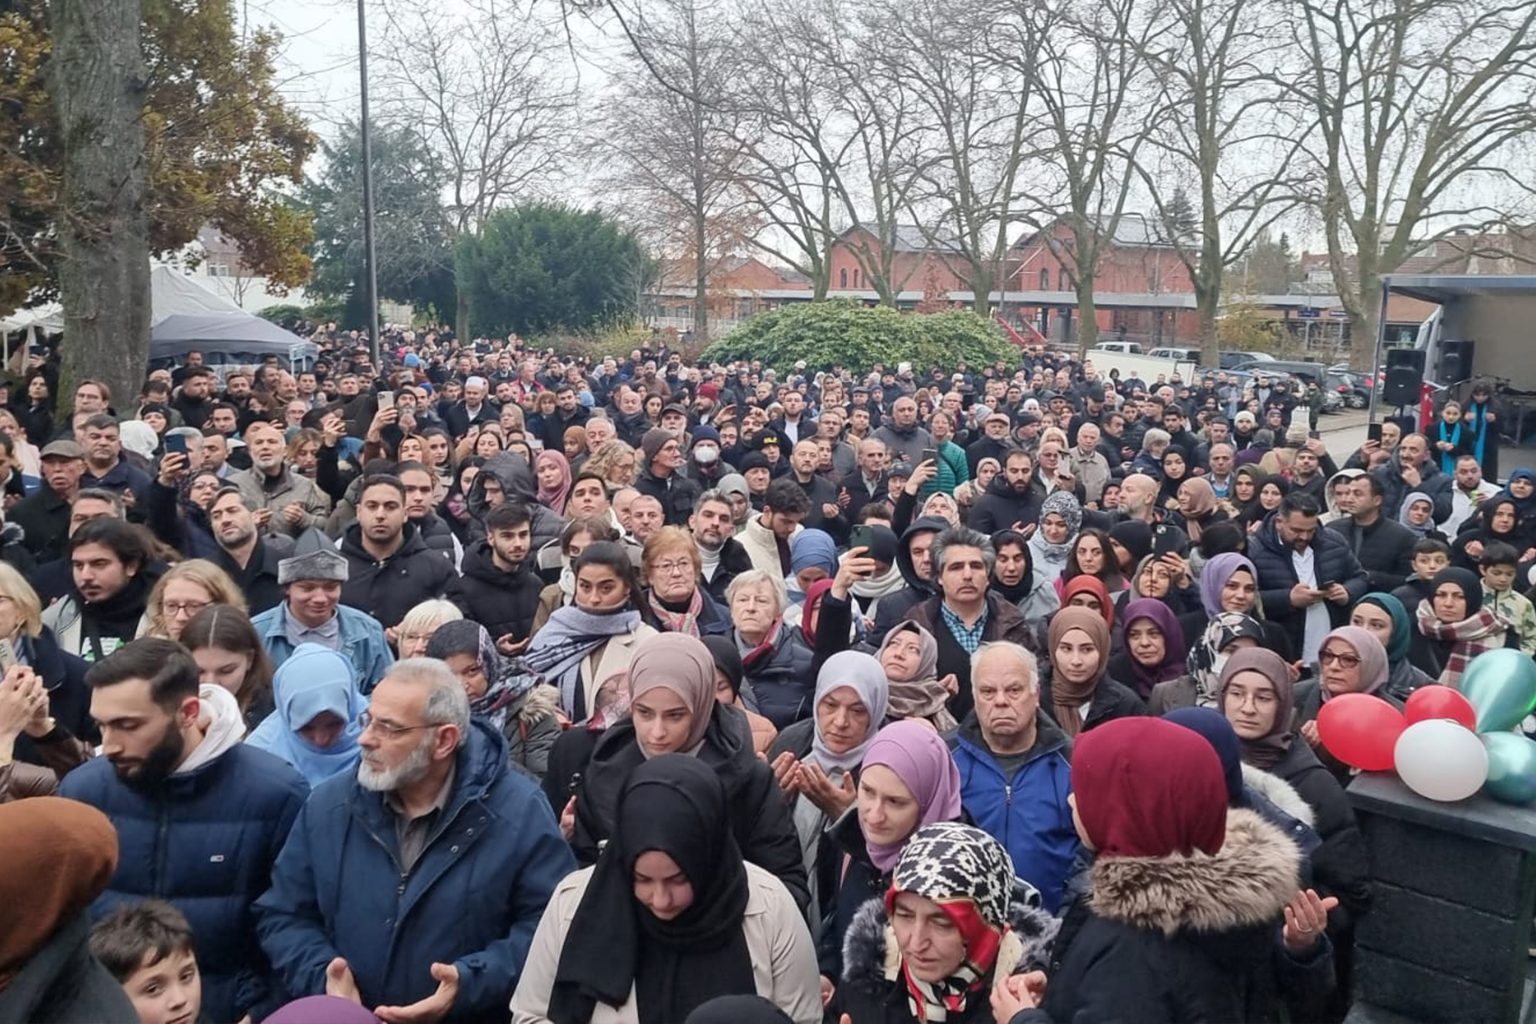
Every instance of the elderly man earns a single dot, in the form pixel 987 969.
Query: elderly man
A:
pixel 965 614
pixel 286 502
pixel 312 612
pixel 414 886
pixel 1087 463
pixel 1015 769
pixel 472 410
pixel 1411 469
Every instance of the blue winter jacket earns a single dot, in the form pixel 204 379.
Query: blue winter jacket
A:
pixel 1333 561
pixel 1026 812
pixel 472 899
pixel 362 641
pixel 206 842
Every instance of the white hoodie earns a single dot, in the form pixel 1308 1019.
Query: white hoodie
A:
pixel 222 723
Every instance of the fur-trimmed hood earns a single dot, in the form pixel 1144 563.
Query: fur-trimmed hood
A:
pixel 1280 793
pixel 871 960
pixel 1245 884
pixel 539 703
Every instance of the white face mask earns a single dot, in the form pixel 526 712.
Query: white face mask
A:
pixel 706 454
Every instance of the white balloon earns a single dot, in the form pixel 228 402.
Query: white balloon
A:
pixel 1441 759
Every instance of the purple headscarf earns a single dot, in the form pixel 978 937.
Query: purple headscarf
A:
pixel 322 1010
pixel 1215 575
pixel 1161 616
pixel 913 750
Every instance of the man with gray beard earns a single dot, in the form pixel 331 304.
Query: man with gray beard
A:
pixel 416 886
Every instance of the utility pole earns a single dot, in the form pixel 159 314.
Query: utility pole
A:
pixel 371 256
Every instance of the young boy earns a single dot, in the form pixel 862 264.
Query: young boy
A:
pixel 1498 564
pixel 148 948
pixel 1429 557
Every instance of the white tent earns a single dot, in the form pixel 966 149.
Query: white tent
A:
pixel 185 316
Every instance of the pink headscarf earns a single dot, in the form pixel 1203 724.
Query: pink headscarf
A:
pixel 913 750
pixel 554 499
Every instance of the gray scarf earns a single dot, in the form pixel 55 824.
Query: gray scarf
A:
pixel 567 638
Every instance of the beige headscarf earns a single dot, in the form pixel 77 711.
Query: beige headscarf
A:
pixel 682 664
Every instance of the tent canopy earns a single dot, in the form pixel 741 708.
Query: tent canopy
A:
pixel 188 317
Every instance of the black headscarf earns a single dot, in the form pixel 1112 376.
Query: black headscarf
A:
pixel 1022 589
pixel 676 805
pixel 727 659
pixel 1466 581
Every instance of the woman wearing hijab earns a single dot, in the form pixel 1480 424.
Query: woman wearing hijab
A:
pixel 502 691
pixel 57 857
pixel 553 472
pixel 670 917
pixel 728 679
pixel 1156 577
pixel 1418 514
pixel 1245 490
pixel 672 709
pixel 1351 660
pixel 314 724
pixel 1230 583
pixel 1175 466
pixel 1014 578
pixel 1257 697
pixel 1521 487
pixel 1454 627
pixel 1271 491
pixel 1227 632
pixel 899 971
pixel 1153 647
pixel 1197 503
pixel 1481 418
pixel 1060 519
pixel 907 779
pixel 816 760
pixel 1384 616
pixel 909 656
pixel 1162 933
pixel 1078 693
pixel 1497 520
pixel 1089 592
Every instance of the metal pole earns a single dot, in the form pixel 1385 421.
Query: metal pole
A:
pixel 371 257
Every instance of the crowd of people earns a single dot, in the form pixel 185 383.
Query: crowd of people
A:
pixel 482 683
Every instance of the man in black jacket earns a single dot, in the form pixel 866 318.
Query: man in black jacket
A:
pixel 825 512
pixel 44 514
pixel 661 477
pixel 421 512
pixel 1308 577
pixel 250 561
pixel 1013 496
pixel 869 483
pixel 499 588
pixel 994 443
pixel 390 569
pixel 722 556
pixel 1383 547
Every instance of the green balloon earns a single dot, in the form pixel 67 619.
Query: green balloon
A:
pixel 1501 685
pixel 1511 767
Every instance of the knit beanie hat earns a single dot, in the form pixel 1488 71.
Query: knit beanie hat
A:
pixel 314 558
pixel 652 443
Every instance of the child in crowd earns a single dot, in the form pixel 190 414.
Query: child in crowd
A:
pixel 1429 557
pixel 147 947
pixel 1498 564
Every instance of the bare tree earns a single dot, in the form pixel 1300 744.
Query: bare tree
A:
pixel 484 89
pixel 97 81
pixel 1092 79
pixel 1424 111
pixel 1227 130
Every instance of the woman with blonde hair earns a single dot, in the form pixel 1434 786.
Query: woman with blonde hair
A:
pixel 304 451
pixel 418 625
pixel 186 589
pixel 615 462
pixel 63 674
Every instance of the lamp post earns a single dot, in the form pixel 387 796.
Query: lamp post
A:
pixel 372 277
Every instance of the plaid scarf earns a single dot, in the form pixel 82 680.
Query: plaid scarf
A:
pixel 1484 631
pixel 686 621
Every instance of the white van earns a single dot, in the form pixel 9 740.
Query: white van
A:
pixel 1182 355
pixel 1129 348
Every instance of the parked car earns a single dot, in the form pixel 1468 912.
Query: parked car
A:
pixel 1232 360
pixel 1183 355
pixel 1129 348
pixel 1352 388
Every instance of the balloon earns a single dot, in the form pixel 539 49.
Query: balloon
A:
pixel 1511 767
pixel 1360 730
pixel 1501 685
pixel 1431 702
pixel 1441 760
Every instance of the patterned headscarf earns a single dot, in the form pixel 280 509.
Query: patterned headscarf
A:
pixel 1207 657
pixel 506 679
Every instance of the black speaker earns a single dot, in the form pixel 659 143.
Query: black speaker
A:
pixel 1455 362
pixel 1405 376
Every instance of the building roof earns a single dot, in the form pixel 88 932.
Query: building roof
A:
pixel 1132 231
pixel 912 238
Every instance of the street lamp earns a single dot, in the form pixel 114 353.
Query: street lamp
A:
pixel 372 277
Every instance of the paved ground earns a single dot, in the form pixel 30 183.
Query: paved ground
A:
pixel 1344 432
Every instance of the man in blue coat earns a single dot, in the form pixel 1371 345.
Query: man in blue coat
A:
pixel 200 816
pixel 1015 768
pixel 415 887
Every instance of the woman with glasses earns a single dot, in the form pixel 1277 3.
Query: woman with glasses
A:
pixel 418 625
pixel 1350 660
pixel 229 653
pixel 184 591
pixel 674 602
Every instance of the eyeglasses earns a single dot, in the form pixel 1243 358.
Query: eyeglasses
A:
pixel 674 568
pixel 1339 658
pixel 178 608
pixel 367 721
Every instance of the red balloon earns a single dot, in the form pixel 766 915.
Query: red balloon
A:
pixel 1435 701
pixel 1361 730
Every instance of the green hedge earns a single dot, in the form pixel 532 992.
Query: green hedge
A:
pixel 848 334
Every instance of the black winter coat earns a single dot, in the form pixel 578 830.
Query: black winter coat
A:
pixel 779 685
pixel 1333 561
pixel 676 493
pixel 1001 506
pixel 734 561
pixel 759 816
pixel 388 589
pixel 1168 940
pixel 1384 550
pixel 502 602
pixel 1340 865
pixel 1111 700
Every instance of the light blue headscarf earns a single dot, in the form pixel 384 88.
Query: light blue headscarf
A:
pixel 313 680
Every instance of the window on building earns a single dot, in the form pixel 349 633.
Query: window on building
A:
pixel 1045 280
pixel 856 278
pixel 1061 279
pixel 842 278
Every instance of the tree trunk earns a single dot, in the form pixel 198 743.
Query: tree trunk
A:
pixel 1088 315
pixel 1365 324
pixel 97 81
pixel 700 279
pixel 1207 300
pixel 461 315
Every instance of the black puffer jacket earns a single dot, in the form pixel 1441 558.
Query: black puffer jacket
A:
pixel 1001 506
pixel 676 493
pixel 502 602
pixel 1333 561
pixel 518 484
pixel 894 607
pixel 1162 940
pixel 387 590
pixel 779 685
pixel 759 817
